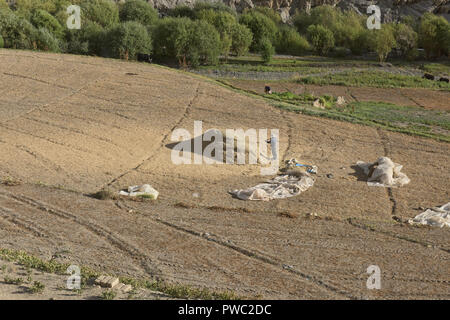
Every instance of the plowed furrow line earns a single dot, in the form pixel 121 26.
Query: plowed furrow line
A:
pixel 287 152
pixel 46 162
pixel 94 122
pixel 146 262
pixel 74 130
pixel 125 104
pixel 163 140
pixel 254 255
pixel 387 152
pixel 37 80
pixel 66 145
pixel 109 111
pixel 354 223
pixel 23 224
pixel 74 92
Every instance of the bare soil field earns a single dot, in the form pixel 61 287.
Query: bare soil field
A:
pixel 426 98
pixel 71 126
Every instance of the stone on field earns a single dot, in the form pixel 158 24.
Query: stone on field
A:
pixel 318 104
pixel 123 287
pixel 107 281
pixel 341 101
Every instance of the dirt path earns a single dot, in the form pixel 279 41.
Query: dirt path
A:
pixel 108 123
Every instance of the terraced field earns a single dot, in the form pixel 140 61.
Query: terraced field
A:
pixel 71 126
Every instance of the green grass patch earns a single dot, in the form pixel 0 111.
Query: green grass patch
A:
pixel 437 68
pixel 408 120
pixel 37 287
pixel 411 120
pixel 378 79
pixel 180 291
pixel 326 100
pixel 109 295
pixel 146 196
pixel 9 280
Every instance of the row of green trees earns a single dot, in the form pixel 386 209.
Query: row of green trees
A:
pixel 199 35
pixel 328 28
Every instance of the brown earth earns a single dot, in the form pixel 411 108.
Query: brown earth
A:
pixel 426 98
pixel 73 125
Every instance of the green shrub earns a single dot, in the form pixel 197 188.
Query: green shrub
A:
pixel 45 41
pixel 261 26
pixel 241 39
pixel 363 42
pixel 95 36
pixel 17 32
pixel 182 11
pixel 127 39
pixel 434 35
pixel 208 15
pixel 76 44
pixel 268 12
pixel 103 12
pixel 26 7
pixel 384 42
pixel 186 41
pixel 346 26
pixel 321 38
pixel 2 43
pixel 224 23
pixel 326 16
pixel 43 19
pixel 340 52
pixel 266 50
pixel 411 22
pixel 90 39
pixel 215 6
pixel 171 39
pixel 204 44
pixel 406 39
pixel 289 41
pixel 138 10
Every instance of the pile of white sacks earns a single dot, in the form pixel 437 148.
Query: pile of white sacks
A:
pixel 144 190
pixel 280 187
pixel 436 217
pixel 384 173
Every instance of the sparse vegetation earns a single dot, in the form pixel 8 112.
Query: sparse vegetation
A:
pixel 104 195
pixel 371 78
pixel 37 287
pixel 10 182
pixel 147 196
pixel 9 280
pixel 181 291
pixel 108 295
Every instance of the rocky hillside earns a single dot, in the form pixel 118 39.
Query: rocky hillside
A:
pixel 391 9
